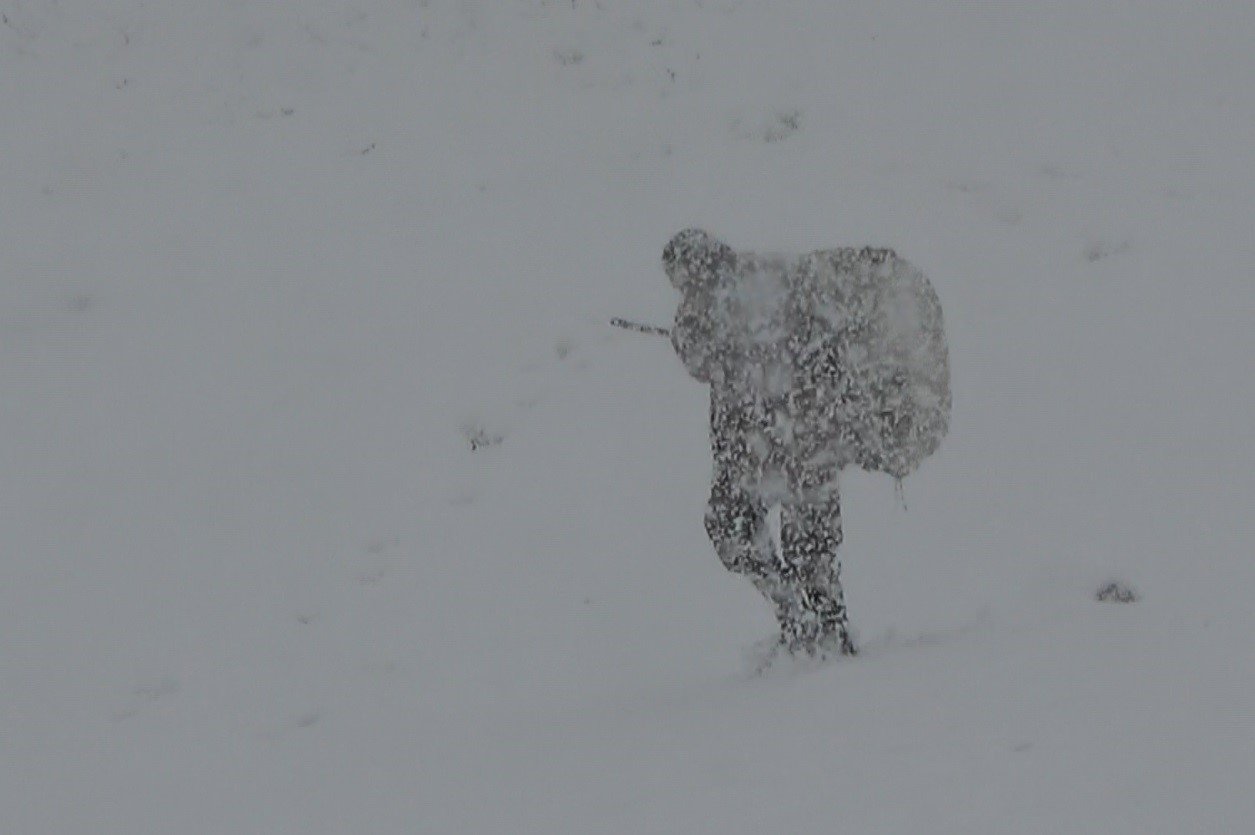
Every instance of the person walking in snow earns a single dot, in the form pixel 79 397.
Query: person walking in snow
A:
pixel 814 363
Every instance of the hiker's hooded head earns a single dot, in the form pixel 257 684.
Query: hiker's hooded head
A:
pixel 695 259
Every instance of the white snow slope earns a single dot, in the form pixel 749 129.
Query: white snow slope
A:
pixel 265 266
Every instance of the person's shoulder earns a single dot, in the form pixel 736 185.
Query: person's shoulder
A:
pixel 845 260
pixel 856 255
pixel 877 254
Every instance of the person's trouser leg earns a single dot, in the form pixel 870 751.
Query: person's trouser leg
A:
pixel 736 518
pixel 810 534
pixel 736 522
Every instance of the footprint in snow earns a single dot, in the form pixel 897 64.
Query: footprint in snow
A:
pixel 147 694
pixel 1097 250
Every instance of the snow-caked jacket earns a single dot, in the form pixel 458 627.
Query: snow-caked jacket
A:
pixel 837 354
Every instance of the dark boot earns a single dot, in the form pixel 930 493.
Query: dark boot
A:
pixel 832 629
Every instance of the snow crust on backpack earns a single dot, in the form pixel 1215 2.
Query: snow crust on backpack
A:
pixel 842 351
pixel 875 353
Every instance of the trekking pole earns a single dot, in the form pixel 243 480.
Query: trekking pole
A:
pixel 639 328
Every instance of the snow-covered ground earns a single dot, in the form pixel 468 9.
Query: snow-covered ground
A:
pixel 266 267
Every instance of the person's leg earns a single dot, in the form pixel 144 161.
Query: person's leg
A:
pixel 736 518
pixel 736 522
pixel 810 533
